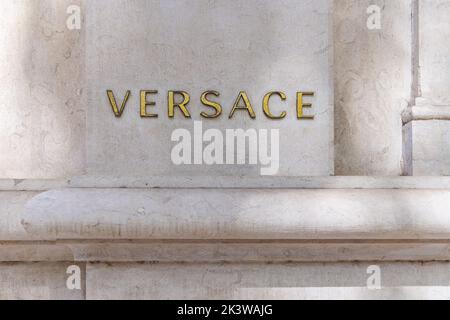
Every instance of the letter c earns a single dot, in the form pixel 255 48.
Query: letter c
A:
pixel 266 108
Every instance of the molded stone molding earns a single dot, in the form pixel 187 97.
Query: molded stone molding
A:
pixel 237 214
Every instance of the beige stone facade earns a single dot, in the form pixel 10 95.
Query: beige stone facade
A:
pixel 362 190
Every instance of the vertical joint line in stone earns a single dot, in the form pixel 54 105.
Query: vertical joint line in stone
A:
pixel 415 53
pixel 407 168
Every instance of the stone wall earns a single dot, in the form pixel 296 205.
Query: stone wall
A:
pixel 151 232
pixel 42 106
pixel 44 62
pixel 427 121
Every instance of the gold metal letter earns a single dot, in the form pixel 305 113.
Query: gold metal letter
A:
pixel 301 105
pixel 145 103
pixel 266 105
pixel 242 95
pixel 112 101
pixel 215 105
pixel 181 105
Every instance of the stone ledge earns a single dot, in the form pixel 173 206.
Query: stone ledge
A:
pixel 238 214
pixel 261 182
pixel 32 184
pixel 263 281
pixel 426 112
pixel 227 182
pixel 213 252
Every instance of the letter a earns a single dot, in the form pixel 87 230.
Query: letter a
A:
pixel 247 106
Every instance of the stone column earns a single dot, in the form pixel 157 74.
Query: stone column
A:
pixel 372 85
pixel 427 125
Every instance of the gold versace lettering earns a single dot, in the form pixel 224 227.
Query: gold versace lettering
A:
pixel 266 108
pixel 112 101
pixel 247 106
pixel 301 105
pixel 181 99
pixel 217 107
pixel 145 104
pixel 181 105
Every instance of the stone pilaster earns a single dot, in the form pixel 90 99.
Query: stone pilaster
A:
pixel 372 86
pixel 427 122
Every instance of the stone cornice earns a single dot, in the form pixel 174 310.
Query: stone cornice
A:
pixel 238 214
pixel 377 219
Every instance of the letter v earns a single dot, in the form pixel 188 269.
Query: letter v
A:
pixel 113 103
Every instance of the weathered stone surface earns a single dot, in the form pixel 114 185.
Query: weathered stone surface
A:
pixel 238 214
pixel 428 121
pixel 372 86
pixel 36 281
pixel 434 55
pixel 12 204
pixel 265 239
pixel 41 99
pixel 35 251
pixel 431 148
pixel 31 184
pixel 266 281
pixel 224 251
pixel 247 251
pixel 226 182
pixel 229 46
